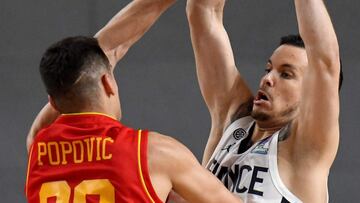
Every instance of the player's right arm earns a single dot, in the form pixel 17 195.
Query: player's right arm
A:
pixel 115 38
pixel 173 166
pixel 226 94
pixel 128 26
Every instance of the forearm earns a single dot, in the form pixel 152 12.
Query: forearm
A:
pixel 316 29
pixel 129 25
pixel 214 57
pixel 46 116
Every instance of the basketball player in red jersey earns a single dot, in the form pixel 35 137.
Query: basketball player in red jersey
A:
pixel 86 154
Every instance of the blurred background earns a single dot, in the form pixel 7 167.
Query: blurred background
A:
pixel 157 81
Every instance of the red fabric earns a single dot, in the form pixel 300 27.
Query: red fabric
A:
pixel 112 156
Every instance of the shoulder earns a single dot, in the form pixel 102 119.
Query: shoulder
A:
pixel 168 153
pixel 45 133
pixel 166 146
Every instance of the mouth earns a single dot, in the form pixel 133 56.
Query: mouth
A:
pixel 261 96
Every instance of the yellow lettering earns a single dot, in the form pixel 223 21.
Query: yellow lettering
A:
pixel 57 152
pixel 98 140
pixel 65 151
pixel 41 152
pixel 104 156
pixel 81 159
pixel 90 148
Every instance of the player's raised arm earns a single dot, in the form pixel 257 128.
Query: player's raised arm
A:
pixel 225 92
pixel 174 162
pixel 120 33
pixel 128 26
pixel 318 122
pixel 46 116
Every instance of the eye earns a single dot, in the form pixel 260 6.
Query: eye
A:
pixel 285 75
pixel 267 70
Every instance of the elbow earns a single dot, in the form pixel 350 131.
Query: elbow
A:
pixel 192 9
pixel 154 6
pixel 327 58
pixel 164 4
pixel 203 9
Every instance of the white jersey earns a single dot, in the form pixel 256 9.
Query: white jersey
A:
pixel 253 175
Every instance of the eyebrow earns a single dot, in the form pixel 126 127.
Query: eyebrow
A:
pixel 285 65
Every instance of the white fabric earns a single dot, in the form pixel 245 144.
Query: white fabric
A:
pixel 253 175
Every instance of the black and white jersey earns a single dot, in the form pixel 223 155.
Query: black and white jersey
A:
pixel 251 174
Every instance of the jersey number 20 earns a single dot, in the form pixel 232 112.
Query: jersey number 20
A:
pixel 61 190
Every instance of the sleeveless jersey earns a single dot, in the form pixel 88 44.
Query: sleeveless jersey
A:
pixel 252 175
pixel 89 158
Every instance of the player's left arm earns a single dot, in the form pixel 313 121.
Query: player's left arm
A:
pixel 46 116
pixel 128 26
pixel 317 128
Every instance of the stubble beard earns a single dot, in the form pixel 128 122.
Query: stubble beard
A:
pixel 260 116
pixel 289 113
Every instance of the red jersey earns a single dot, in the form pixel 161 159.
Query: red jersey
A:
pixel 88 158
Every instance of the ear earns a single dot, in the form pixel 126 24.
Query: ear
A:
pixel 52 103
pixel 107 82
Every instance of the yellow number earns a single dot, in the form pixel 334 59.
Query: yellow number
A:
pixel 61 190
pixel 101 187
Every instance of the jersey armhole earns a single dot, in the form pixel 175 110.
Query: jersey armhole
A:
pixel 143 167
pixel 241 122
pixel 28 170
pixel 275 175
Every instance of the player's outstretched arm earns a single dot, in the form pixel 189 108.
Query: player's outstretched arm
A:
pixel 128 26
pixel 174 162
pixel 318 123
pixel 316 130
pixel 46 116
pixel 120 33
pixel 225 92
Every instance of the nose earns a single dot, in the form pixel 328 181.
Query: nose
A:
pixel 267 80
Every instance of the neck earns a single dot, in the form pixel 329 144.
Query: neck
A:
pixel 263 131
pixel 90 108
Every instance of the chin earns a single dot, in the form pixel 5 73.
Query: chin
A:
pixel 260 116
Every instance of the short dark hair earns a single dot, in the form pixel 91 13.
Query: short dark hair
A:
pixel 69 68
pixel 296 40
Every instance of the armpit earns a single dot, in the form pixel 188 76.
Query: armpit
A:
pixel 243 110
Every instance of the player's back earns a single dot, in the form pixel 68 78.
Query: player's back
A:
pixel 89 158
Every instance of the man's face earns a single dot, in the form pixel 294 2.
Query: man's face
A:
pixel 279 94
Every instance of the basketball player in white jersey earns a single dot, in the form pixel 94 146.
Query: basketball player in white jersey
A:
pixel 278 144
